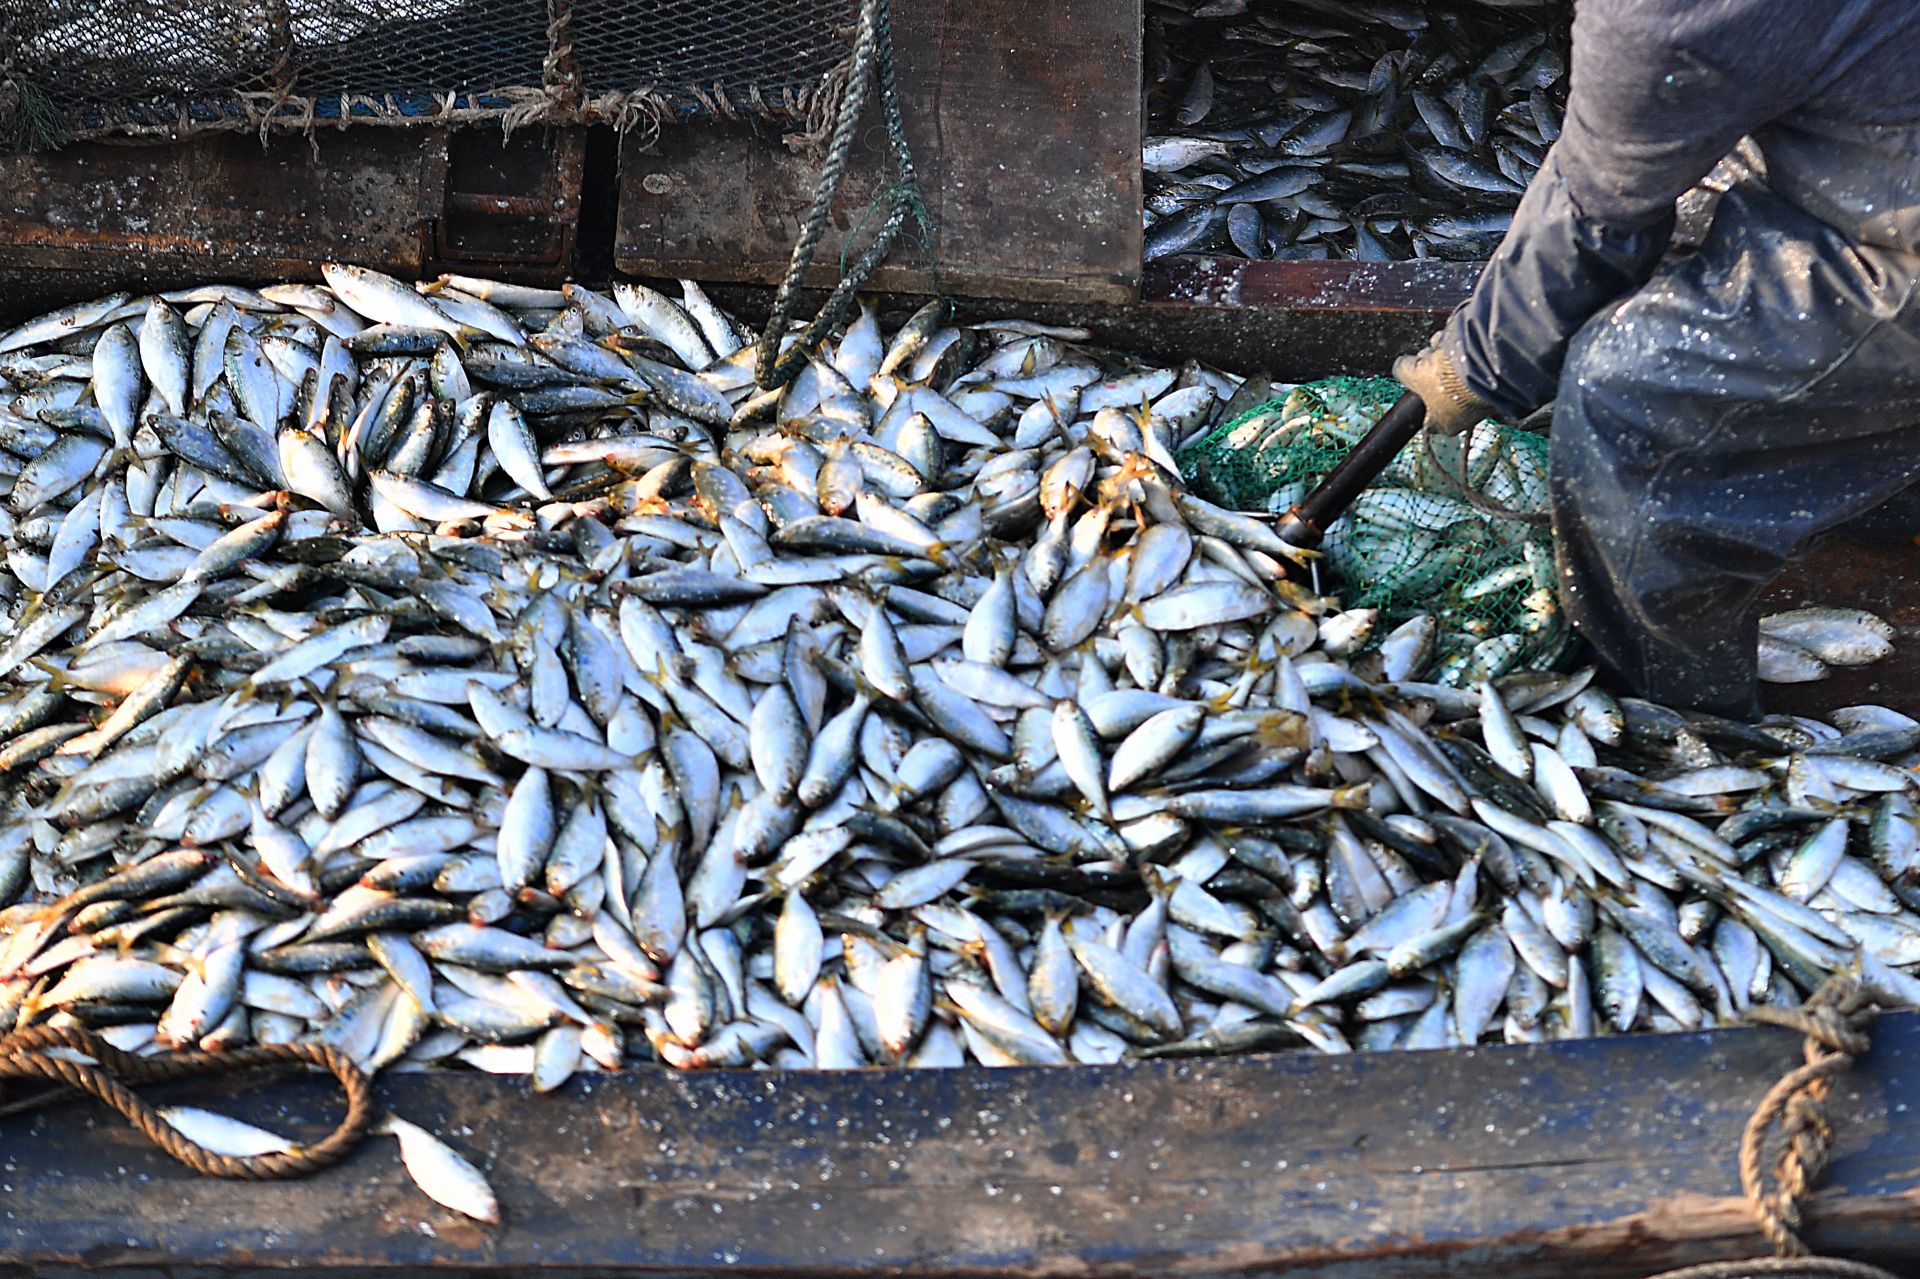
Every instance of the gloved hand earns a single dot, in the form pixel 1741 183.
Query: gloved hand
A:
pixel 1429 374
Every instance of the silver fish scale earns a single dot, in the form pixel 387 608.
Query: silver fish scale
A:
pixel 1369 133
pixel 728 730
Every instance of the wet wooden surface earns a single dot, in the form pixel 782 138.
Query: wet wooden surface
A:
pixel 1024 120
pixel 1295 321
pixel 1423 287
pixel 1603 1158
pixel 1290 343
pixel 95 217
pixel 100 216
pixel 1876 568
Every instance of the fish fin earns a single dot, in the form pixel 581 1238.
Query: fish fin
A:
pixel 1356 796
pixel 57 678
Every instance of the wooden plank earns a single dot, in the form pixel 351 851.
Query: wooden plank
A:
pixel 221 208
pixel 1606 1158
pixel 1295 321
pixel 1424 287
pixel 96 217
pixel 1025 125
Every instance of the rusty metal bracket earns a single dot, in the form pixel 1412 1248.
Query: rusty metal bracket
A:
pixel 509 205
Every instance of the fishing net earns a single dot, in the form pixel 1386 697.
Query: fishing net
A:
pixel 73 69
pixel 1444 530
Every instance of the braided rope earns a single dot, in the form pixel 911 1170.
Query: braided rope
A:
pixel 872 53
pixel 282 75
pixel 1833 1023
pixel 560 71
pixel 28 1054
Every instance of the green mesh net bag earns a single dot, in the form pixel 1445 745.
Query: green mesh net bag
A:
pixel 1454 527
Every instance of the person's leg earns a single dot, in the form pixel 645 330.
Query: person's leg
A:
pixel 1745 400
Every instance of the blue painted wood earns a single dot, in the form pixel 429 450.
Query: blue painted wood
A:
pixel 1612 1157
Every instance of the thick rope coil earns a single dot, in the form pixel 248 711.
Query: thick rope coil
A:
pixel 1834 1023
pixel 34 1054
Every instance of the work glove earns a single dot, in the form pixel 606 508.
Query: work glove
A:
pixel 1429 373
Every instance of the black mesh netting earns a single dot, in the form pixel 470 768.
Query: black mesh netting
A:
pixel 84 68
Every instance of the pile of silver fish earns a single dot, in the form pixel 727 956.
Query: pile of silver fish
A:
pixel 471 673
pixel 1314 129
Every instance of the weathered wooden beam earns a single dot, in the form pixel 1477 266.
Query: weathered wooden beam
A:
pixel 1024 121
pixel 221 207
pixel 1295 321
pixel 99 216
pixel 1363 288
pixel 1607 1158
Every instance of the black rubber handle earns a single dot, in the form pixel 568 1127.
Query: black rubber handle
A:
pixel 1306 524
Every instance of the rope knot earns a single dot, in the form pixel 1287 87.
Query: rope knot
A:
pixel 1792 1116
